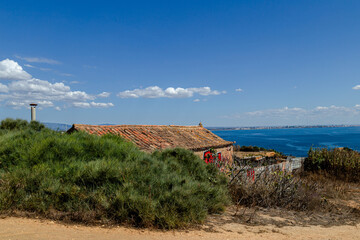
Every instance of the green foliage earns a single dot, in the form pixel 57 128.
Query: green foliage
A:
pixel 249 148
pixel 88 178
pixel 238 148
pixel 341 163
pixel 19 124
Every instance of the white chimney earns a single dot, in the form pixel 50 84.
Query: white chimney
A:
pixel 33 111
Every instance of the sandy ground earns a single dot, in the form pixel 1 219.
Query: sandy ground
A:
pixel 21 229
pixel 271 225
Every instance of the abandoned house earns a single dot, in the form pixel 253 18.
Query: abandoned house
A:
pixel 157 137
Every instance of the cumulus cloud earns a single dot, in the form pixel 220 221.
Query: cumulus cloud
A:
pixel 170 92
pixel 3 88
pixel 24 89
pixel 239 90
pixel 357 87
pixel 38 60
pixel 196 100
pixel 11 70
pixel 25 103
pixel 104 95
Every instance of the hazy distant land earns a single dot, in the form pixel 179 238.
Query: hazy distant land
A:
pixel 281 127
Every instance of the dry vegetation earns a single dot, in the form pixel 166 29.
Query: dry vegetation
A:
pixel 319 196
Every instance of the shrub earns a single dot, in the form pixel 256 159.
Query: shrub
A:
pixel 275 189
pixel 249 148
pixel 238 148
pixel 341 163
pixel 88 178
pixel 19 124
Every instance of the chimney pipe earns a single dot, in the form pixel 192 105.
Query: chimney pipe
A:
pixel 33 111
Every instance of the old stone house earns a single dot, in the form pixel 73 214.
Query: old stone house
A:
pixel 157 137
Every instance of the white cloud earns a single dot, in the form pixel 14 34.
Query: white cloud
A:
pixel 104 95
pixel 58 108
pixel 24 90
pixel 299 113
pixel 357 87
pixel 277 112
pixel 25 103
pixel 92 104
pixel 170 92
pixel 3 88
pixel 38 60
pixel 49 69
pixel 11 70
pixel 239 90
pixel 75 82
pixel 40 68
pixel 196 100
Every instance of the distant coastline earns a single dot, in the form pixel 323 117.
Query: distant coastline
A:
pixel 281 127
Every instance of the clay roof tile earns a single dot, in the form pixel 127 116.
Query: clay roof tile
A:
pixel 151 137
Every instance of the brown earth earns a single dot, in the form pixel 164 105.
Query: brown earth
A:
pixel 12 228
pixel 261 154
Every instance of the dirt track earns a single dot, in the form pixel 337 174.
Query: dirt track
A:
pixel 24 229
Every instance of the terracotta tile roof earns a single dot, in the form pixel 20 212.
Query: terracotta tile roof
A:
pixel 151 137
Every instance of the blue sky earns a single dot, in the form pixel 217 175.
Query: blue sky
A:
pixel 225 63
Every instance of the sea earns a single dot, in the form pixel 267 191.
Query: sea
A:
pixel 295 141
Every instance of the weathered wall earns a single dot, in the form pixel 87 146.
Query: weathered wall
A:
pixel 226 153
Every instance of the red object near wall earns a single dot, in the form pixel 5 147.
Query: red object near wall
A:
pixel 251 174
pixel 208 157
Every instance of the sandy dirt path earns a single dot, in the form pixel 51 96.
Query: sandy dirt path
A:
pixel 13 228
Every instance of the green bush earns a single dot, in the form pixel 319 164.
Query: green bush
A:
pixel 341 163
pixel 19 124
pixel 249 148
pixel 82 177
pixel 238 148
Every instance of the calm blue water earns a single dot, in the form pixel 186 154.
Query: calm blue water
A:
pixel 297 141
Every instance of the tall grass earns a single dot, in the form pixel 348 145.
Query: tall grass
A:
pixel 88 178
pixel 340 163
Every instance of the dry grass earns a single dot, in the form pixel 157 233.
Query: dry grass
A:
pixel 276 189
pixel 342 163
pixel 308 191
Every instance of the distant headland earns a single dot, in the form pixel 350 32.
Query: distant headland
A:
pixel 281 127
